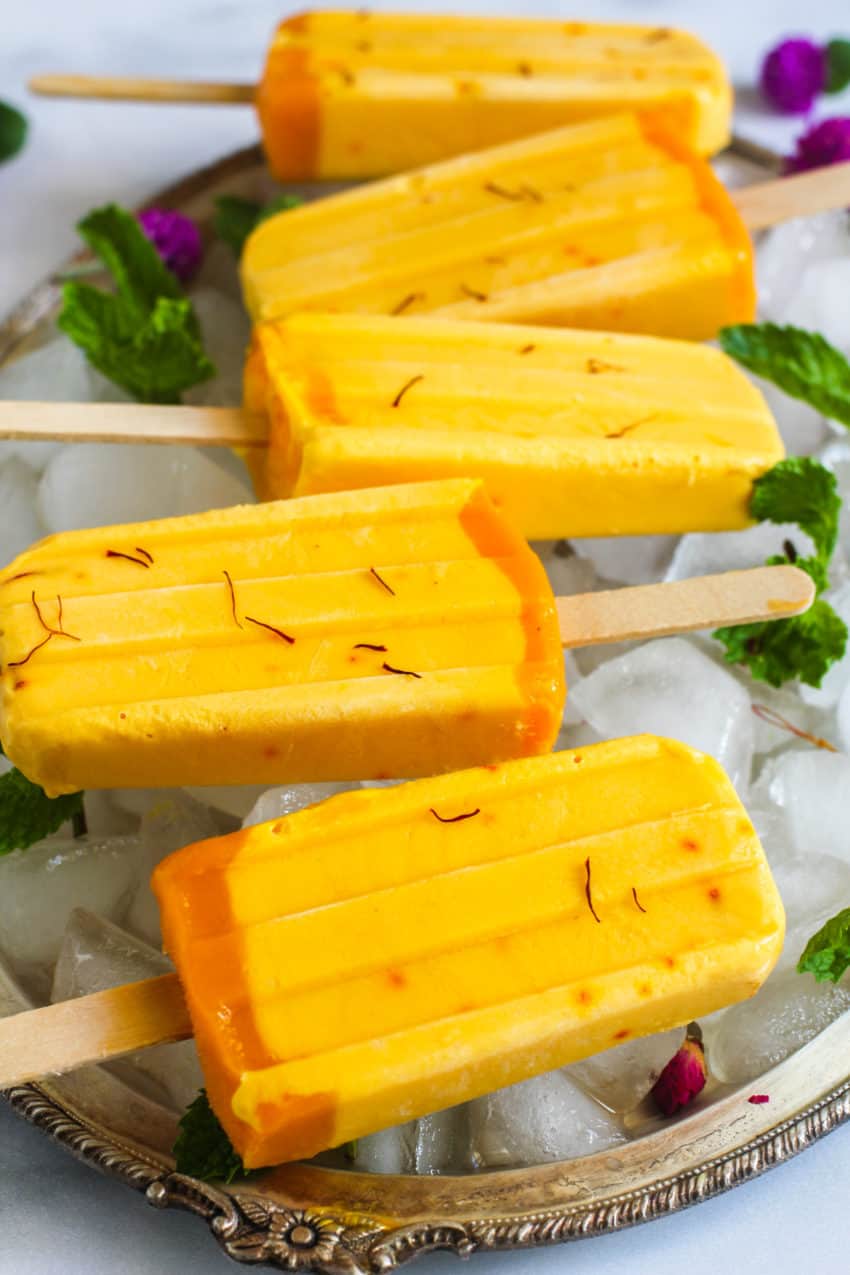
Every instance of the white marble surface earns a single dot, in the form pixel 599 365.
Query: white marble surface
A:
pixel 56 1215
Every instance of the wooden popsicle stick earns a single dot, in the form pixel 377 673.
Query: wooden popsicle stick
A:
pixel 132 89
pixel 133 423
pixel 769 203
pixel 684 606
pixel 91 1029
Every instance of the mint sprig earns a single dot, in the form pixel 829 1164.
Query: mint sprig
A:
pixel 803 491
pixel 13 131
pixel 801 363
pixel 827 953
pixel 837 66
pixel 28 815
pixel 235 217
pixel 202 1149
pixel 145 336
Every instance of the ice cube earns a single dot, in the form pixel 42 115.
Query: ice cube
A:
pixel 567 572
pixel 772 830
pixel 811 786
pixel 830 690
pixel 813 887
pixel 276 802
pixel 776 710
pixel 628 559
pixel 99 484
pixel 39 888
pixel 96 955
pixel 785 253
pixel 843 718
pixel 389 1151
pixel 836 457
pixel 19 523
pixel 788 1012
pixel 226 330
pixel 104 817
pixel 621 1077
pixel 803 429
pixel 703 553
pixel 546 1118
pixel 232 799
pixel 668 687
pixel 174 821
pixel 441 1142
pixel 56 372
pixel 819 303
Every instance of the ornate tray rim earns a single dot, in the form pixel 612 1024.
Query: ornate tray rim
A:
pixel 290 1232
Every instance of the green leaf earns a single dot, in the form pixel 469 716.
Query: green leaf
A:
pixel 141 276
pixel 837 66
pixel 203 1150
pixel 27 814
pixel 801 363
pixel 145 336
pixel 13 131
pixel 154 357
pixel 775 651
pixel 235 218
pixel 800 490
pixel 827 953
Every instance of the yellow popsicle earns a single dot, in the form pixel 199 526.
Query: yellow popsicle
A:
pixel 360 94
pixel 392 952
pixel 611 224
pixel 574 433
pixel 402 631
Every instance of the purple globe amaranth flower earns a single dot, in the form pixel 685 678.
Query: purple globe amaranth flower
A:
pixel 176 239
pixel 793 74
pixel 825 143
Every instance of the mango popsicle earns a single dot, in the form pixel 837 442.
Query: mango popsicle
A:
pixel 574 433
pixel 611 224
pixel 392 952
pixel 359 94
pixel 396 631
pixel 357 635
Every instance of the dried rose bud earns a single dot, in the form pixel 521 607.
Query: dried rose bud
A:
pixel 793 74
pixel 682 1079
pixel 757 1099
pixel 176 239
pixel 826 143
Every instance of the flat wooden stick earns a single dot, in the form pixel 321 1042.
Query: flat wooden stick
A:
pixel 769 203
pixel 91 1029
pixel 684 606
pixel 133 423
pixel 132 89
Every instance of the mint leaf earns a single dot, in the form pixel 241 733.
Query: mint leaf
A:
pixel 775 651
pixel 140 274
pixel 827 953
pixel 13 131
pixel 837 66
pixel 800 490
pixel 801 363
pixel 27 814
pixel 202 1149
pixel 145 336
pixel 235 218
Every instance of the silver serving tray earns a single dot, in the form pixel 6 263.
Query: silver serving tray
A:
pixel 305 1217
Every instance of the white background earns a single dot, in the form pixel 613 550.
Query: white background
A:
pixel 56 1216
